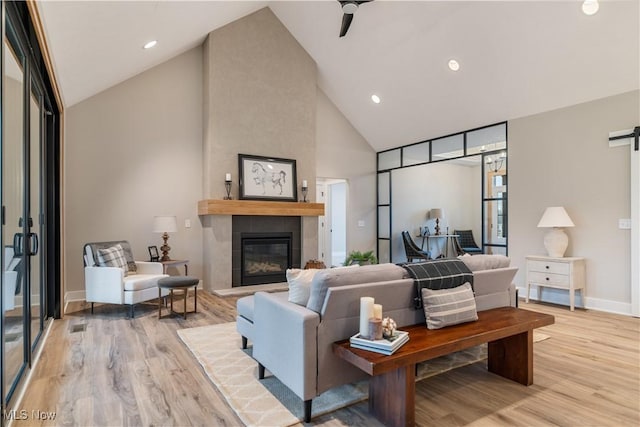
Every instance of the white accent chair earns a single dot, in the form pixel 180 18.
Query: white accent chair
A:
pixel 12 273
pixel 110 285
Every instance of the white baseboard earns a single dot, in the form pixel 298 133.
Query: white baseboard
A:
pixel 73 296
pixel 559 296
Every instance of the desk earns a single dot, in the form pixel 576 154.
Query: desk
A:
pixel 451 240
pixel 175 263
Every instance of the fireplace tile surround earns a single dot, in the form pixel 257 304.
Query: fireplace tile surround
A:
pixel 218 238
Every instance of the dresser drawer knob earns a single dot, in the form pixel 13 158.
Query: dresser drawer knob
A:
pixel 546 266
pixel 546 278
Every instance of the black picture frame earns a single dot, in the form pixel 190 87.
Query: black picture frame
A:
pixel 153 253
pixel 267 178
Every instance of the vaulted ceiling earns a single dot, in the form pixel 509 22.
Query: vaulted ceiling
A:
pixel 516 58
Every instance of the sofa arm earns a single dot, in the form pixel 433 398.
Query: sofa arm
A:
pixel 146 267
pixel 285 342
pixel 104 284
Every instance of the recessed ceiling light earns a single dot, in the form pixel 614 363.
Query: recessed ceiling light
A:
pixel 453 65
pixel 375 98
pixel 150 44
pixel 590 7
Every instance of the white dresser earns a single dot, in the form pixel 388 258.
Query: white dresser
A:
pixel 561 273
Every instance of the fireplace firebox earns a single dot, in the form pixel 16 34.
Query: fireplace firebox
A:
pixel 265 257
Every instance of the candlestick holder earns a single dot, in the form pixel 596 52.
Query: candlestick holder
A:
pixel 227 186
pixel 305 190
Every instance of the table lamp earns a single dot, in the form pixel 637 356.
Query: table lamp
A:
pixel 436 214
pixel 165 225
pixel 556 240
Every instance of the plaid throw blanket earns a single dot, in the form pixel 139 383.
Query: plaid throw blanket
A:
pixel 438 274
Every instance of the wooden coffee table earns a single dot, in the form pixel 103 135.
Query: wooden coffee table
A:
pixel 508 330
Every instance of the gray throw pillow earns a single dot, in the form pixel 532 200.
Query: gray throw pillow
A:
pixel 113 257
pixel 446 307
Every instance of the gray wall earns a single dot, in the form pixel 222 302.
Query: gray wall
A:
pixel 260 98
pixel 341 152
pixel 562 158
pixel 132 152
pixel 146 136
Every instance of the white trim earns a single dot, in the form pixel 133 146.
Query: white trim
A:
pixel 635 232
pixel 74 296
pixel 559 296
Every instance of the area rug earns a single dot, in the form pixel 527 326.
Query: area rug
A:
pixel 269 402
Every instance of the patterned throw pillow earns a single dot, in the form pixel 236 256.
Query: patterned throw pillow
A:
pixel 113 257
pixel 446 307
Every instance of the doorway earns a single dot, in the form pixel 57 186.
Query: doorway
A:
pixel 332 227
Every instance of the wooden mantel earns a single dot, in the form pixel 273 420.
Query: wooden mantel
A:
pixel 258 207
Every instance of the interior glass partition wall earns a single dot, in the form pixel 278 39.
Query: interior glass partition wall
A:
pixel 486 146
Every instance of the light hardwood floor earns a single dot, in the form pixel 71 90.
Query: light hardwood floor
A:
pixel 123 372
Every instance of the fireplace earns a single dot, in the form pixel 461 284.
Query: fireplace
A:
pixel 264 258
pixel 263 247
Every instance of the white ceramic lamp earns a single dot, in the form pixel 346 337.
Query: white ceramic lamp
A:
pixel 165 225
pixel 556 240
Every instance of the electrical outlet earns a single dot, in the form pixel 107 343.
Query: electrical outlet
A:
pixel 624 224
pixel 360 223
pixel 187 223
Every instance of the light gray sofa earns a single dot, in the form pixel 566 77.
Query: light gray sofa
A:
pixel 294 342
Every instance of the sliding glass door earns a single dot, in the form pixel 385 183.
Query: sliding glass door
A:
pixel 29 185
pixel 13 203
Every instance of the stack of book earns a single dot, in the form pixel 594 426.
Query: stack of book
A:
pixel 383 346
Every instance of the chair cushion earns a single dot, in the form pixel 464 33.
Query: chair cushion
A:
pixel 300 284
pixel 446 307
pixel 113 257
pixel 138 282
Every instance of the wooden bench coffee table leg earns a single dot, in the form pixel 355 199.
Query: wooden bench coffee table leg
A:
pixel 392 396
pixel 512 357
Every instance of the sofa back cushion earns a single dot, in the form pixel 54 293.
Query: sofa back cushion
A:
pixel 335 277
pixel 485 262
pixel 487 282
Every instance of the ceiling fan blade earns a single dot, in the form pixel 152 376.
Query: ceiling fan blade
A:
pixel 346 23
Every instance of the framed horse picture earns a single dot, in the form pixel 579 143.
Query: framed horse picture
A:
pixel 267 178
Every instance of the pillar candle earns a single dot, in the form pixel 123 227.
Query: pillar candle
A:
pixel 227 177
pixel 375 329
pixel 366 312
pixel 377 311
pixel 304 182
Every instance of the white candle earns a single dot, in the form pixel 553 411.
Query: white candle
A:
pixel 377 311
pixel 304 182
pixel 366 312
pixel 227 177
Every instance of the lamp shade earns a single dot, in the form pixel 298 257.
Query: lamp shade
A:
pixel 165 224
pixel 435 213
pixel 555 217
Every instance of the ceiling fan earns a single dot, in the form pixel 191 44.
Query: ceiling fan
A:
pixel 349 8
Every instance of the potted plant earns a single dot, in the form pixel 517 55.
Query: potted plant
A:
pixel 360 258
